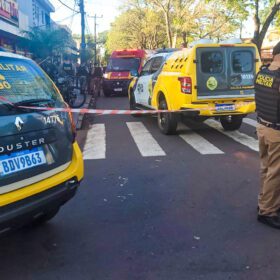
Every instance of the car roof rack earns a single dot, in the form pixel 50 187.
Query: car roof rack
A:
pixel 166 50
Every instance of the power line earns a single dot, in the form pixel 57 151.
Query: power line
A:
pixel 72 18
pixel 67 6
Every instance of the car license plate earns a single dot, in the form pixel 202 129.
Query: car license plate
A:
pixel 21 161
pixel 117 89
pixel 225 107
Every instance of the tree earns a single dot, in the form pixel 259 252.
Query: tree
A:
pixel 264 12
pixel 198 19
pixel 138 26
pixel 43 42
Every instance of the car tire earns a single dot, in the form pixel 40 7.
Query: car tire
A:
pixel 45 217
pixel 107 93
pixel 167 122
pixel 230 123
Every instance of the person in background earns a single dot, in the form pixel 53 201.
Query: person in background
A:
pixel 68 67
pixel 267 87
pixel 97 75
pixel 83 76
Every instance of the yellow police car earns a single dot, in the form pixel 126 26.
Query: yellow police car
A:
pixel 206 80
pixel 41 165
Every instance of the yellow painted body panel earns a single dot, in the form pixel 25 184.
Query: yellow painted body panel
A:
pixel 181 64
pixel 75 169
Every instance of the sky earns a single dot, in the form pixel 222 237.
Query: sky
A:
pixel 108 10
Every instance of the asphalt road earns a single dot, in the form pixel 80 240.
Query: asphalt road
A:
pixel 180 211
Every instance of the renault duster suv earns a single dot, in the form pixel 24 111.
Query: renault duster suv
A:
pixel 41 164
pixel 206 80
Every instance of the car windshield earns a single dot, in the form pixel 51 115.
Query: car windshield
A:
pixel 123 64
pixel 22 80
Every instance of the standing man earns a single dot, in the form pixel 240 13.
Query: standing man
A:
pixel 267 87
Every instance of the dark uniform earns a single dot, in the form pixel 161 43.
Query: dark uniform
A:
pixel 68 68
pixel 267 86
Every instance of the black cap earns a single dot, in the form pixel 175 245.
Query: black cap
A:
pixel 276 49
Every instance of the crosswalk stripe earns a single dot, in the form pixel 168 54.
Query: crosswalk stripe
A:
pixel 239 137
pixel 200 144
pixel 250 122
pixel 146 144
pixel 95 146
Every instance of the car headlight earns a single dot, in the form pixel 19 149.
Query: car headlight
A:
pixel 106 76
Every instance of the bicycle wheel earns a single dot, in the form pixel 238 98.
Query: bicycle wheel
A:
pixel 77 98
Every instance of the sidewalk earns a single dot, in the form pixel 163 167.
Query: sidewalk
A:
pixel 78 118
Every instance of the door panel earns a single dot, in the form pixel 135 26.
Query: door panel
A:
pixel 142 80
pixel 148 85
pixel 225 72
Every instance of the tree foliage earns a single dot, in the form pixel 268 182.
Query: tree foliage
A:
pixel 43 42
pixel 151 24
pixel 138 26
pixel 263 13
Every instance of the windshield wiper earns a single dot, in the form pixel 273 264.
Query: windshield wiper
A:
pixel 33 101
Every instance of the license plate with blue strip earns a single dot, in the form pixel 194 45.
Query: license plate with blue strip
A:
pixel 225 107
pixel 21 161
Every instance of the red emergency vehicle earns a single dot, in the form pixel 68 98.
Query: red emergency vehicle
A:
pixel 123 65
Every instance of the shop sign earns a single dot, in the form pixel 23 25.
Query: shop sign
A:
pixel 9 10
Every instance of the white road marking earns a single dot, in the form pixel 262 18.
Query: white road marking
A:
pixel 147 145
pixel 239 137
pixel 200 144
pixel 250 122
pixel 95 146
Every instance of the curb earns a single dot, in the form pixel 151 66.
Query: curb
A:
pixel 80 119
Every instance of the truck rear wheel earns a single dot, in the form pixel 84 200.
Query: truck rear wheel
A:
pixel 167 122
pixel 231 123
pixel 106 93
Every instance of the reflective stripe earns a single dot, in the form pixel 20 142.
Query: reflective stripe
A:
pixel 33 180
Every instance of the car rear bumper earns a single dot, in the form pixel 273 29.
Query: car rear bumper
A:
pixel 19 213
pixel 209 109
pixel 21 204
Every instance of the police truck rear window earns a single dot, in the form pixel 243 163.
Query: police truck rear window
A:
pixel 22 80
pixel 212 62
pixel 242 61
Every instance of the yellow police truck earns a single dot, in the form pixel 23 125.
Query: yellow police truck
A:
pixel 206 80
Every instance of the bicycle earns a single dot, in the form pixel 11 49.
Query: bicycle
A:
pixel 74 95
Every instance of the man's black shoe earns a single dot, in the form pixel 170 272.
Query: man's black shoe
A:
pixel 272 221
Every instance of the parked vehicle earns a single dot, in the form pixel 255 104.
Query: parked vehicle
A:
pixel 123 65
pixel 41 165
pixel 207 80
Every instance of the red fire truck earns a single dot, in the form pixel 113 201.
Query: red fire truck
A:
pixel 123 65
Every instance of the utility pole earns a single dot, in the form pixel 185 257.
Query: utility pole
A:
pixel 83 42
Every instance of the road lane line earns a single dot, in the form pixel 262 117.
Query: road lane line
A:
pixel 250 122
pixel 200 144
pixel 95 146
pixel 239 137
pixel 146 144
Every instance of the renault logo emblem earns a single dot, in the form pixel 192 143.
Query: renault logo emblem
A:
pixel 19 123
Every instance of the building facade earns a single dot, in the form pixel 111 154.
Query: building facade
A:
pixel 17 16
